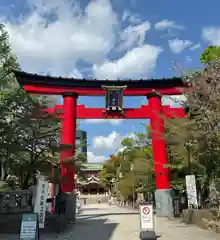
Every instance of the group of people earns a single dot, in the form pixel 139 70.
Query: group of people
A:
pixel 110 199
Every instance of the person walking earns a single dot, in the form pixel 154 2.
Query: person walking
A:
pixel 98 198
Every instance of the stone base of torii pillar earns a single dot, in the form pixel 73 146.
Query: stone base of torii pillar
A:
pixel 164 203
pixel 66 205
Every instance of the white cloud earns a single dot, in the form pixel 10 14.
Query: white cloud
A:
pixel 53 36
pixel 177 45
pixel 75 73
pixel 130 17
pixel 196 46
pixel 110 142
pixel 211 35
pixel 132 136
pixel 93 158
pixel 72 73
pixel 74 34
pixel 188 59
pixel 176 100
pixel 167 24
pixel 100 121
pixel 134 35
pixel 136 63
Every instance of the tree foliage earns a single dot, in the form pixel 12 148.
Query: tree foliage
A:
pixel 200 131
pixel 193 143
pixel 211 53
pixel 131 168
pixel 27 133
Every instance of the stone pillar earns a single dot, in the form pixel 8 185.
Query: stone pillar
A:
pixel 164 206
pixel 68 137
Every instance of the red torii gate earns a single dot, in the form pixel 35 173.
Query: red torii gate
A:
pixel 144 112
pixel 71 88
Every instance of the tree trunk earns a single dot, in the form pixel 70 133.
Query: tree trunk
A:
pixel 2 170
pixel 25 183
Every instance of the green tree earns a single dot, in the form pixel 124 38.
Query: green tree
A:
pixel 139 171
pixel 26 132
pixel 200 129
pixel 8 93
pixel 27 143
pixel 109 171
pixel 132 167
pixel 211 53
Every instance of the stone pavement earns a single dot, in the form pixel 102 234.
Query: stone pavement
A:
pixel 103 222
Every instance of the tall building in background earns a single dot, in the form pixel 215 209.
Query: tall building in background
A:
pixel 81 141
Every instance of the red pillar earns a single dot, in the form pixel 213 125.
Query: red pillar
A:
pixel 158 142
pixel 68 137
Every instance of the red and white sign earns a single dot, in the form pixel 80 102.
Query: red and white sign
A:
pixel 146 217
pixel 145 210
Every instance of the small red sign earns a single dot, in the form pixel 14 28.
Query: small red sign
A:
pixel 145 210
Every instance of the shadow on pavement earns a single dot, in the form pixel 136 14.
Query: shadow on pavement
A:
pixel 10 224
pixel 92 209
pixel 83 229
pixel 87 229
pixel 88 216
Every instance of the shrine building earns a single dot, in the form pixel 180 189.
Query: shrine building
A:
pixel 91 183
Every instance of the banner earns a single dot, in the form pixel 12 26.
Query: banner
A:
pixel 40 201
pixel 191 191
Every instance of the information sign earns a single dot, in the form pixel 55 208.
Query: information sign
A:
pixel 29 227
pixel 146 217
pixel 191 191
pixel 40 202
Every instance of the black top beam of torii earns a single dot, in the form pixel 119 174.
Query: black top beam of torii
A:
pixel 25 78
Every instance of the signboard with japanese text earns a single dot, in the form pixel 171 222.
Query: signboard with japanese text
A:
pixel 146 217
pixel 40 201
pixel 191 191
pixel 29 227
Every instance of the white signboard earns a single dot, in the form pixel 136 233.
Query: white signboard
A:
pixel 40 202
pixel 146 217
pixel 191 191
pixel 29 228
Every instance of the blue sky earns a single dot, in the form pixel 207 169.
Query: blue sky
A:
pixel 110 39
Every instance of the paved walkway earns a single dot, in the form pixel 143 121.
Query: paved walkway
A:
pixel 103 222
